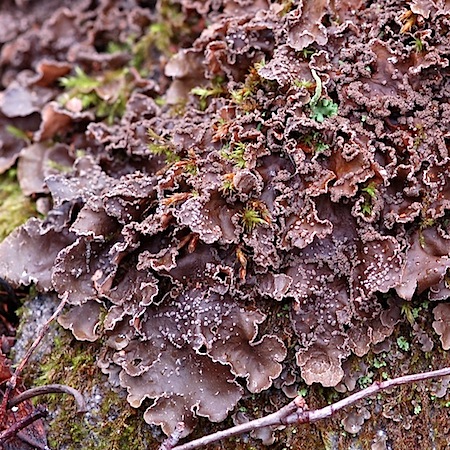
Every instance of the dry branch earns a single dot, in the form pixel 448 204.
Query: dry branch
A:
pixel 297 412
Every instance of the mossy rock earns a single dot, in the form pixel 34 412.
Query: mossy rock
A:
pixel 15 208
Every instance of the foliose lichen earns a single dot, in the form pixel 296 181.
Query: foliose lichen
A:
pixel 315 175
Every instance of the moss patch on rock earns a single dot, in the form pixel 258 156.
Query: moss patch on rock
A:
pixel 15 208
pixel 109 424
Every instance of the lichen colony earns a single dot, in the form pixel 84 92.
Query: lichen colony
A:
pixel 287 154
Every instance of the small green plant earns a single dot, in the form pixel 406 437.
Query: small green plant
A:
pixel 240 95
pixel 403 343
pixel 378 363
pixel 366 209
pixel 161 147
pixel 204 93
pixel 117 47
pixel 255 214
pixel 18 133
pixel 314 142
pixel 371 190
pixel 251 218
pixel 321 108
pixel 252 81
pixel 417 408
pixel 227 187
pixel 162 36
pixel 106 94
pixel 370 193
pixel 303 392
pixel 15 208
pixel 418 45
pixel 307 52
pixel 82 82
pixel 236 155
pixel 284 311
pixel 307 84
pixel 366 380
pixel 407 311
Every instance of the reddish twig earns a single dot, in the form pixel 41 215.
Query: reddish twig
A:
pixel 296 411
pixel 38 413
pixel 12 382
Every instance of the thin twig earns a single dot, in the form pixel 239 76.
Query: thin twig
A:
pixel 12 382
pixel 38 413
pixel 50 389
pixel 296 412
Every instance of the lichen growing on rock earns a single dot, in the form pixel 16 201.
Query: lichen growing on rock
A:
pixel 298 154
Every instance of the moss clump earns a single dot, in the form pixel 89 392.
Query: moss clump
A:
pixel 107 94
pixel 109 424
pixel 15 208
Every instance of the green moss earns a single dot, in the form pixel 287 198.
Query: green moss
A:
pixel 314 142
pixel 163 36
pixel 370 194
pixel 307 84
pixel 321 108
pixel 74 364
pixel 18 133
pixel 403 343
pixel 236 155
pixel 106 93
pixel 371 190
pixel 15 208
pixel 418 45
pixel 161 147
pixel 245 95
pixel 203 93
pixel 253 216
